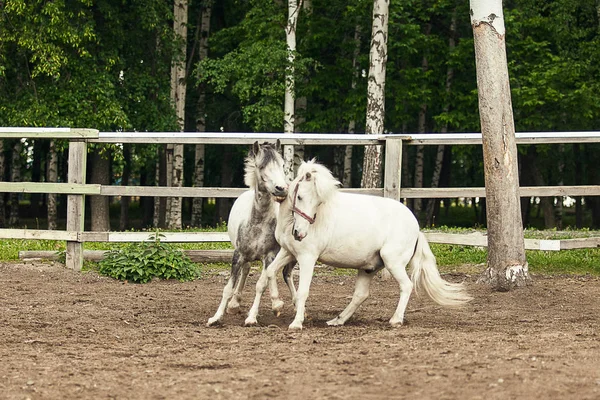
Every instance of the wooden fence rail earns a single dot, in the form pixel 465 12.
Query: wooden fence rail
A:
pixel 76 187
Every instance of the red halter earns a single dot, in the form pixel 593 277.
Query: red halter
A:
pixel 311 220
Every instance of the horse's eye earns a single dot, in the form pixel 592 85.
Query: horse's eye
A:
pixel 300 198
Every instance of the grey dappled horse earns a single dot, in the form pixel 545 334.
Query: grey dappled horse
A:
pixel 252 221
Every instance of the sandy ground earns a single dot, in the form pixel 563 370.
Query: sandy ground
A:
pixel 69 335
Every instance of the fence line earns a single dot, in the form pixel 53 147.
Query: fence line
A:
pixel 77 189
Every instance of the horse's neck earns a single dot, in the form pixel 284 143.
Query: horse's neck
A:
pixel 262 203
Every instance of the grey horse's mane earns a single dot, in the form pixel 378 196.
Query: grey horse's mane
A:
pixel 325 184
pixel 267 152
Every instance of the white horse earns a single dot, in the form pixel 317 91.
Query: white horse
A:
pixel 319 223
pixel 251 224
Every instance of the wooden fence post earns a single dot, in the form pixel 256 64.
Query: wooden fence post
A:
pixel 76 203
pixel 393 168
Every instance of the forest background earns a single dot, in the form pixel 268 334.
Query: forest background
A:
pixel 107 64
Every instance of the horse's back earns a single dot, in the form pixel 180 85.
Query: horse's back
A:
pixel 354 228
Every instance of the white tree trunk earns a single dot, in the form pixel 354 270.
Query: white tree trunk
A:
pixel 178 91
pixel 507 266
pixel 289 112
pixel 199 152
pixel 372 164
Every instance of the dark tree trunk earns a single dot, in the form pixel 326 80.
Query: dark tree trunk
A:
pixel 2 178
pixel 99 174
pixel 125 200
pixel 147 172
pixel 224 204
pixel 15 176
pixel 578 175
pixel 39 152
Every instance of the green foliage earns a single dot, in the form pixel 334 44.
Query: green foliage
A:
pixel 142 262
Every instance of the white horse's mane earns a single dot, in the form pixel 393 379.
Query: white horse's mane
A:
pixel 325 184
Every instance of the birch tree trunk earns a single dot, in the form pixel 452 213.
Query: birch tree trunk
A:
pixel 15 176
pixel 52 176
pixel 178 91
pixel 289 112
pixel 507 266
pixel 2 172
pixel 372 164
pixel 199 151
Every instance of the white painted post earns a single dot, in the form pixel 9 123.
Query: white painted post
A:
pixel 76 203
pixel 393 168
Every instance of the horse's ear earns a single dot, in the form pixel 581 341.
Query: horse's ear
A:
pixel 308 176
pixel 278 145
pixel 255 148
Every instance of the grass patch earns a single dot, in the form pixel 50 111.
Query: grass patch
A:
pixel 450 258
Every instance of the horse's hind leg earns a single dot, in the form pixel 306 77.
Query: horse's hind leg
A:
pixel 361 292
pixel 289 280
pixel 228 290
pixel 234 304
pixel 396 262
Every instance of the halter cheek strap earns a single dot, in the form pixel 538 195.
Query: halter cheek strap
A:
pixel 311 220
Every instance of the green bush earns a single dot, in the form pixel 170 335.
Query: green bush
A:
pixel 142 262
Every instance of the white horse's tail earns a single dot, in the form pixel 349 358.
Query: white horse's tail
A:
pixel 425 275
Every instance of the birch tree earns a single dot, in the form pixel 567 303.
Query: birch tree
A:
pixel 289 112
pixel 178 91
pixel 372 164
pixel 506 264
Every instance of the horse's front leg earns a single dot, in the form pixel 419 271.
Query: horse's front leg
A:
pixel 283 257
pixel 237 263
pixel 276 302
pixel 307 267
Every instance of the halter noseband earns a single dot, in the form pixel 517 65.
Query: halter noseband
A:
pixel 311 220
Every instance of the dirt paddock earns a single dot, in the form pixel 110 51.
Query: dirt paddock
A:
pixel 68 335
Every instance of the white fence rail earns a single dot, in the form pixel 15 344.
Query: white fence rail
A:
pixel 77 189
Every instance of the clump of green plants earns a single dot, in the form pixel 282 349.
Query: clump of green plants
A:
pixel 142 262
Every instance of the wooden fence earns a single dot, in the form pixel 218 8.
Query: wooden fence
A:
pixel 76 187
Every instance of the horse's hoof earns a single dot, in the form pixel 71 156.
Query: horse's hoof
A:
pixel 396 324
pixel 335 322
pixel 276 307
pixel 295 326
pixel 213 321
pixel 250 322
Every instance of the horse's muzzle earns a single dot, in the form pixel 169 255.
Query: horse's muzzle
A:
pixel 299 236
pixel 279 194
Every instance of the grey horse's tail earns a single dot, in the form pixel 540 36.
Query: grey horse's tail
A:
pixel 425 275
